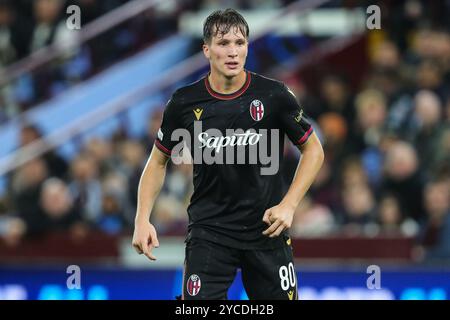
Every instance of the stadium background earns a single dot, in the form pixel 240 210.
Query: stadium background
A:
pixel 79 110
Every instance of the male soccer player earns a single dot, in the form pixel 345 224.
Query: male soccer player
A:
pixel 239 214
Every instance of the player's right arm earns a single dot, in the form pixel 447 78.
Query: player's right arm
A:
pixel 152 179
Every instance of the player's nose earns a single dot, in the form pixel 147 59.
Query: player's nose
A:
pixel 232 53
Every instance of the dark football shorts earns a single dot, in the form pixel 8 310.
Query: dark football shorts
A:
pixel 210 269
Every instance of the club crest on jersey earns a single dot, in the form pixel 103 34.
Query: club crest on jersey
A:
pixel 257 110
pixel 193 285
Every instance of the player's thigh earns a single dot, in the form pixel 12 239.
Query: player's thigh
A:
pixel 270 274
pixel 209 270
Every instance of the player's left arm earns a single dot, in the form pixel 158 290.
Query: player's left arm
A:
pixel 300 132
pixel 280 217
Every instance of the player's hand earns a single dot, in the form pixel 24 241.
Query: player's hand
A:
pixel 145 239
pixel 279 218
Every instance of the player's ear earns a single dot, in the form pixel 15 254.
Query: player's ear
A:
pixel 206 51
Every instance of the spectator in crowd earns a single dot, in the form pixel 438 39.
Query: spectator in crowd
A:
pixel 386 56
pixel 335 133
pixel 312 220
pixel 427 112
pixel 116 185
pixel 358 209
pixel 371 112
pixel 56 164
pixel 102 151
pixel 12 228
pixel 112 220
pixel 49 26
pixel 356 212
pixel 26 185
pixel 403 178
pixel 435 232
pixel 131 161
pixel 170 215
pixel 50 29
pixel 392 220
pixel 352 173
pixel 85 187
pixel 56 210
pixel 336 96
pixel 430 76
pixel 441 158
pixel 14 35
pixel 389 82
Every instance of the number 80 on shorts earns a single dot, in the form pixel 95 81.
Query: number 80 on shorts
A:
pixel 288 277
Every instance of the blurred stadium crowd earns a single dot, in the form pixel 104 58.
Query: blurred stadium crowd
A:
pixel 29 25
pixel 387 142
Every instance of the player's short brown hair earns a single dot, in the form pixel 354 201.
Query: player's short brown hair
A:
pixel 221 21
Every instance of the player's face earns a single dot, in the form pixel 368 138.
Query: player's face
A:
pixel 227 53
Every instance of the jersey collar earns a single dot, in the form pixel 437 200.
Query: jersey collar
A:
pixel 230 96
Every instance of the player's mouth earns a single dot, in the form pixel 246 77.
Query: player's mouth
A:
pixel 232 65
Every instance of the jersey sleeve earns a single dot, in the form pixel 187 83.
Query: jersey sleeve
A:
pixel 294 121
pixel 170 123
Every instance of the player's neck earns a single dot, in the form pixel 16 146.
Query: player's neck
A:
pixel 226 85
